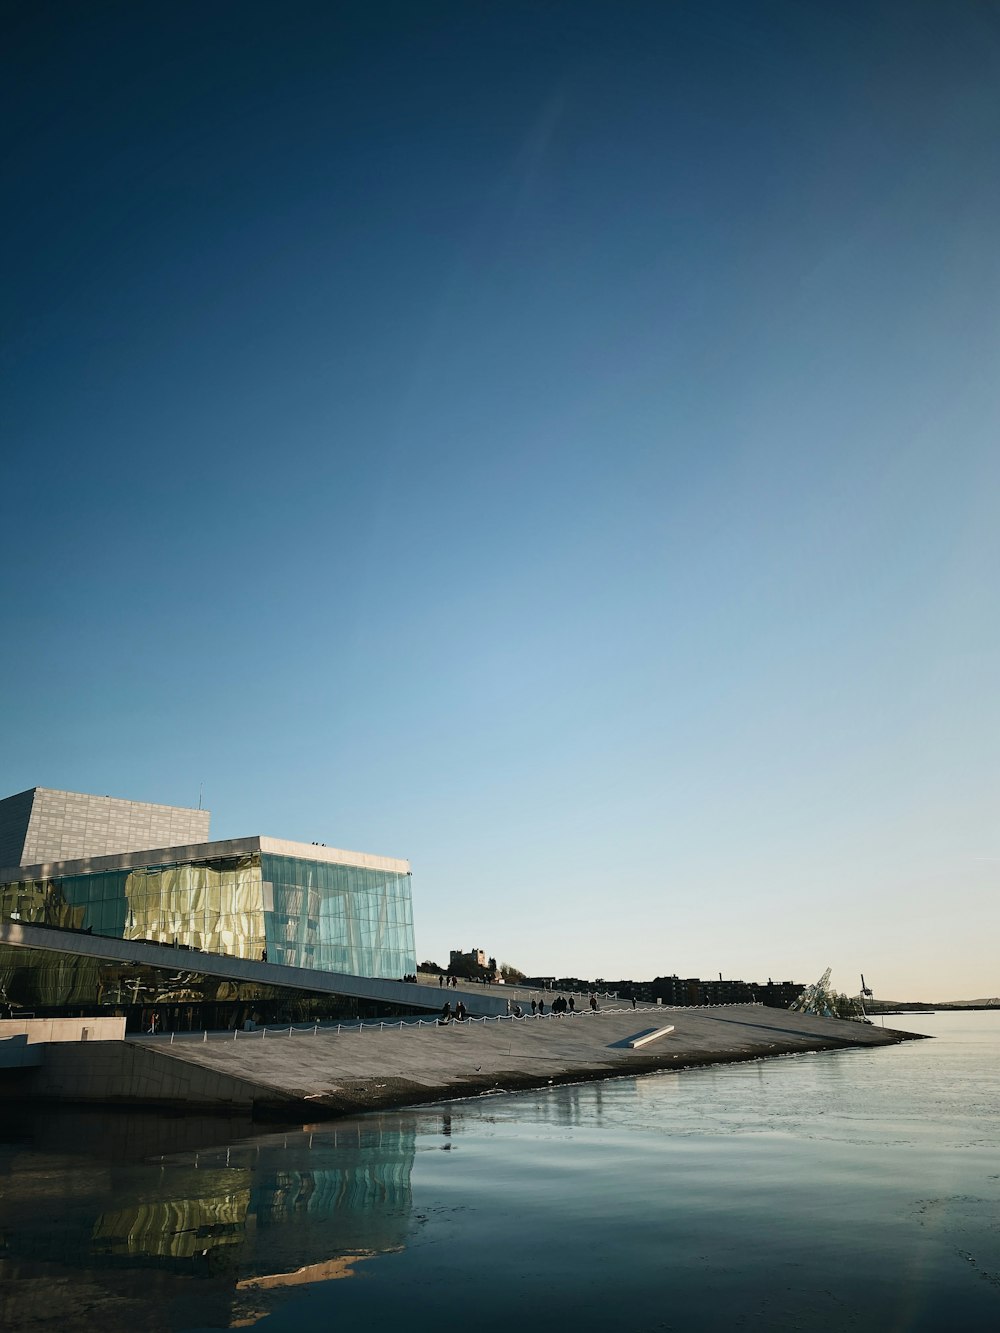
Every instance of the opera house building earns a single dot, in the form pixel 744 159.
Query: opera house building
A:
pixel 118 907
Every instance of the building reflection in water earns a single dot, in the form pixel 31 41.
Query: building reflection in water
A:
pixel 279 1210
pixel 296 1198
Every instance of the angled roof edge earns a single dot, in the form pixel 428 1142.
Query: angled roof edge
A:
pixel 153 856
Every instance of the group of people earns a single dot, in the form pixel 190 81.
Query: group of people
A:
pixel 560 1005
pixel 447 1015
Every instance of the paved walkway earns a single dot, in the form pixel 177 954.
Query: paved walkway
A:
pixel 366 1067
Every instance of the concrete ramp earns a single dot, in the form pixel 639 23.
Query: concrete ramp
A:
pixel 318 1072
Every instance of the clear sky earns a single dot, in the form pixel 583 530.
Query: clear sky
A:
pixel 556 443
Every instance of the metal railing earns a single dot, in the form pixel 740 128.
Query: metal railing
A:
pixel 361 1026
pixel 382 1025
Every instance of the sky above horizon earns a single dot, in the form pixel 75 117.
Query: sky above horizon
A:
pixel 553 443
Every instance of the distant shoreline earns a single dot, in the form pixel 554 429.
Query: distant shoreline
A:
pixel 934 1009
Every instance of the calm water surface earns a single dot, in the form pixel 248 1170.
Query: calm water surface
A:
pixel 850 1190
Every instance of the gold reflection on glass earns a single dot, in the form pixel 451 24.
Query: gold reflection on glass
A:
pixel 40 902
pixel 214 906
pixel 40 980
pixel 64 980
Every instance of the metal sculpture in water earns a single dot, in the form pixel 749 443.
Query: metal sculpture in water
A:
pixel 820 998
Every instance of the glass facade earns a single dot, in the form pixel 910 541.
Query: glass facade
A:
pixel 213 905
pixel 43 983
pixel 338 918
pixel 311 914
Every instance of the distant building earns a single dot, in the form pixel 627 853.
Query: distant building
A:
pixel 472 963
pixel 779 994
pixel 693 991
pixel 684 991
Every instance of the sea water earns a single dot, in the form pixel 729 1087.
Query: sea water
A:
pixel 853 1189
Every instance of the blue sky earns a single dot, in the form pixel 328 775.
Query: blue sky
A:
pixel 555 443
